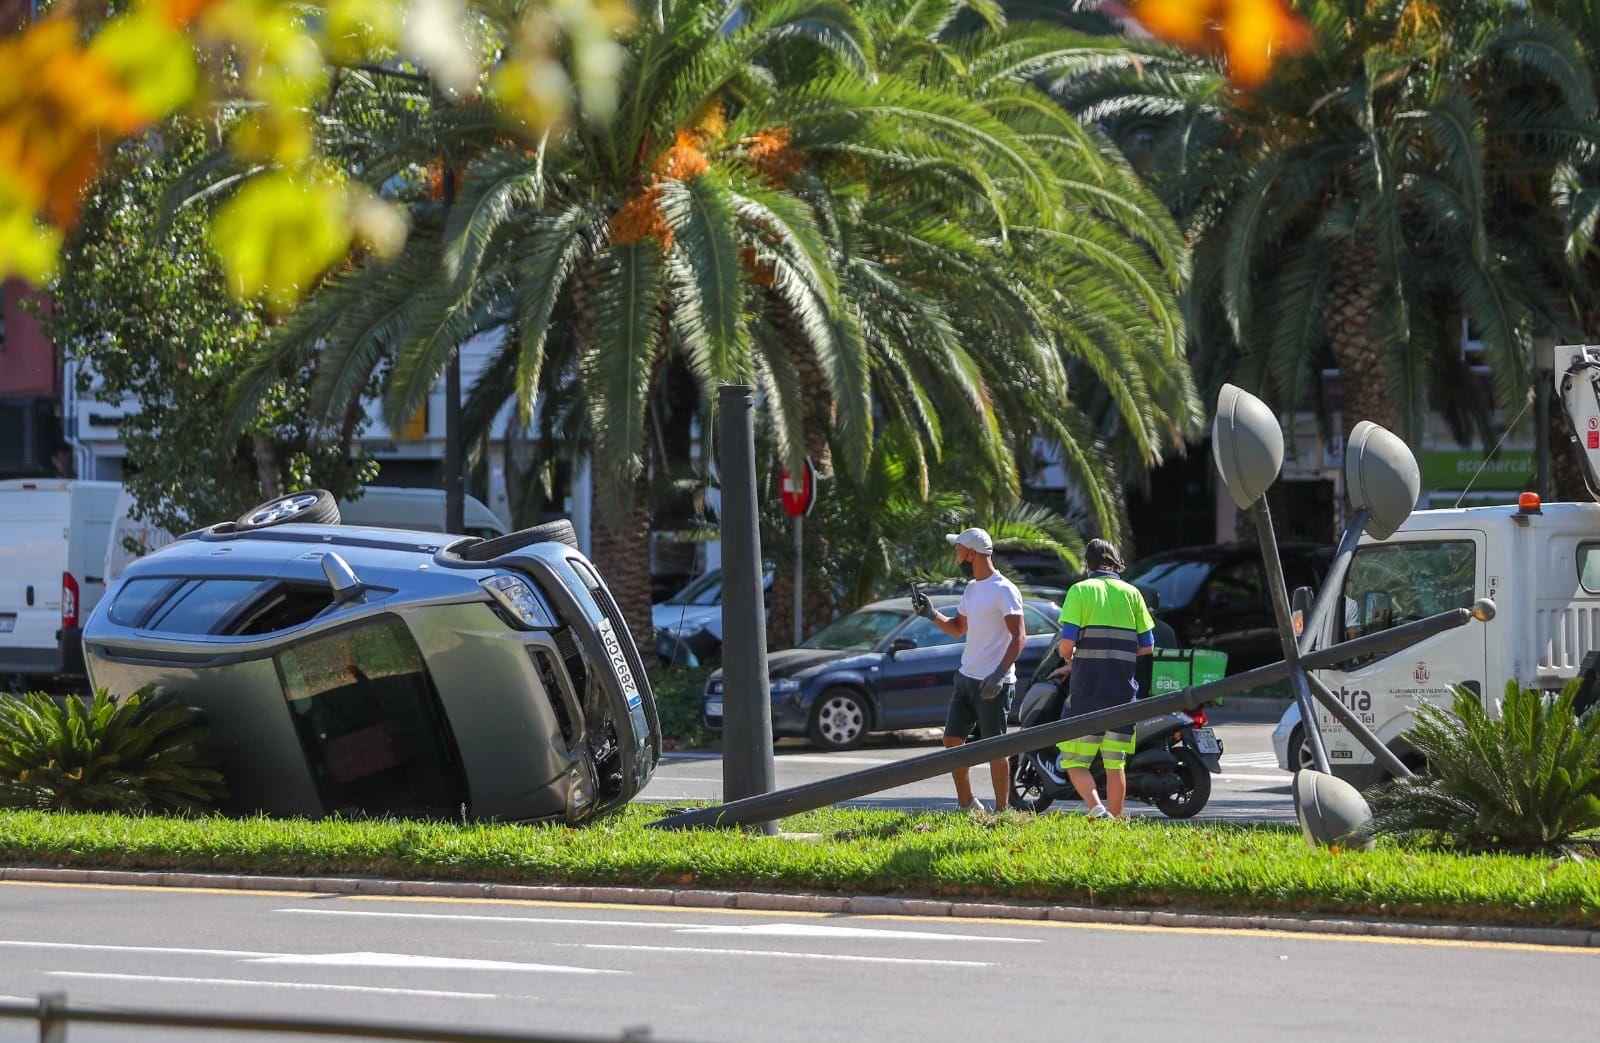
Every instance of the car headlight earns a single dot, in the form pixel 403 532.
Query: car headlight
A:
pixel 785 686
pixel 714 686
pixel 517 596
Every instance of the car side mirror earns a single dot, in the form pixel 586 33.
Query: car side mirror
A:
pixel 342 578
pixel 1300 608
pixel 902 644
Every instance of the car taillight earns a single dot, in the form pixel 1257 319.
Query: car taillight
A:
pixel 1199 717
pixel 69 600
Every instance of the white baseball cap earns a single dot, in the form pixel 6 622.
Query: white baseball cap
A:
pixel 972 539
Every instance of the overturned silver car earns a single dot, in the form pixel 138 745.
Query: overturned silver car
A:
pixel 363 671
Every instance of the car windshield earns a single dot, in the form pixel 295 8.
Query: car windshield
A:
pixel 858 630
pixel 706 590
pixel 1176 581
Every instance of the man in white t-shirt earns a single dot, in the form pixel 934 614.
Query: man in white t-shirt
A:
pixel 990 618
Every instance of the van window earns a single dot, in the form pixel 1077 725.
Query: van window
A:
pixel 1589 567
pixel 370 723
pixel 137 598
pixel 1390 584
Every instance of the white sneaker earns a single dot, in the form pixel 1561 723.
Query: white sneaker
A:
pixel 1100 811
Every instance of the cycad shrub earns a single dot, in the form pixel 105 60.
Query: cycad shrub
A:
pixel 1527 782
pixel 144 753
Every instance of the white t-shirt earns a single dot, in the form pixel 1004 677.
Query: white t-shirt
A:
pixel 986 604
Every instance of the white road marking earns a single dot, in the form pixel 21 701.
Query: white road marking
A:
pixel 829 758
pixel 838 957
pixel 1260 760
pixel 301 985
pixel 407 961
pixel 791 930
pixel 806 930
pixel 154 949
pixel 479 916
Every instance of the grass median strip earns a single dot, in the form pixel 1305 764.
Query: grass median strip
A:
pixel 1057 859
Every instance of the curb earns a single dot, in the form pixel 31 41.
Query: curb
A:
pixel 858 905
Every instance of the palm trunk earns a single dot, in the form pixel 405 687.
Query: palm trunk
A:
pixel 1350 314
pixel 619 545
pixel 818 417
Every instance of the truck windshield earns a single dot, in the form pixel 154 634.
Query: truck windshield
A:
pixel 1396 583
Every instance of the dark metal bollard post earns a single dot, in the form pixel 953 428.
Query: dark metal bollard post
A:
pixel 747 768
pixel 52 1017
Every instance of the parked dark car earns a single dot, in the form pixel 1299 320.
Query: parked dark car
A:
pixel 1215 596
pixel 880 668
pixel 386 672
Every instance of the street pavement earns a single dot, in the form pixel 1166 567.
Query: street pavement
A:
pixel 597 971
pixel 1251 787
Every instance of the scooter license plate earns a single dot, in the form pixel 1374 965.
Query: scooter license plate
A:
pixel 1206 741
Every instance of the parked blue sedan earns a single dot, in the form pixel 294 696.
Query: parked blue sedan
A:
pixel 880 668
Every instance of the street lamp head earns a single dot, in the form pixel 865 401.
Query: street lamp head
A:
pixel 1330 810
pixel 1247 444
pixel 1381 474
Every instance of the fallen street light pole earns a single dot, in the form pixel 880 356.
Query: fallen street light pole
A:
pixel 783 803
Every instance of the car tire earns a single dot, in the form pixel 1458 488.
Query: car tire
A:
pixel 306 507
pixel 1187 802
pixel 840 720
pixel 1027 788
pixel 1299 750
pixel 559 531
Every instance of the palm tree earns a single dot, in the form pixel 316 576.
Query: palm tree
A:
pixel 761 208
pixel 1382 187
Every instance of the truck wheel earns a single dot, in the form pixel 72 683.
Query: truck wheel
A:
pixel 1187 802
pixel 559 531
pixel 307 507
pixel 839 720
pixel 1300 758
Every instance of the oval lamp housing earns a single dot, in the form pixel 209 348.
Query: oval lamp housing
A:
pixel 1381 475
pixel 1247 444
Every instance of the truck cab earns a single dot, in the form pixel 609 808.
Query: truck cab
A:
pixel 1540 564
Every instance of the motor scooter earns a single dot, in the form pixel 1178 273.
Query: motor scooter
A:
pixel 1174 757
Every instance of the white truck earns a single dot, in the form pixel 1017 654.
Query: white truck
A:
pixel 53 535
pixel 1540 563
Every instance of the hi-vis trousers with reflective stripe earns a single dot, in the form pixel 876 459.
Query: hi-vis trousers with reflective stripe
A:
pixel 1113 747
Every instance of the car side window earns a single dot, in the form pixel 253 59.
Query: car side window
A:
pixel 1037 623
pixel 926 635
pixel 201 606
pixel 1235 587
pixel 138 597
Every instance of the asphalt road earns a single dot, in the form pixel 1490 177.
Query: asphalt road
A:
pixel 1251 787
pixel 597 971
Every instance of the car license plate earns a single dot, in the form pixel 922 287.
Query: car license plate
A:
pixel 7 624
pixel 1206 740
pixel 713 707
pixel 619 662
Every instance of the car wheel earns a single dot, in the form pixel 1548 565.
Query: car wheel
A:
pixel 839 720
pixel 1187 802
pixel 307 507
pixel 1027 788
pixel 1300 758
pixel 559 531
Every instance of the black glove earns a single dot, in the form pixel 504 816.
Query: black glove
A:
pixel 920 603
pixel 992 684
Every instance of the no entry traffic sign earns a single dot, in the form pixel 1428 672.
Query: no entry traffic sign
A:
pixel 799 492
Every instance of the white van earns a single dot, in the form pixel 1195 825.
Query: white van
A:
pixel 381 506
pixel 53 535
pixel 394 507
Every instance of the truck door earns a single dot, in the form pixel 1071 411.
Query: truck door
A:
pixel 1409 577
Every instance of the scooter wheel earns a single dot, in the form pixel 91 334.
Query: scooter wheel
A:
pixel 1196 790
pixel 1027 788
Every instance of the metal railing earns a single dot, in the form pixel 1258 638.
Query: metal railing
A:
pixel 54 1015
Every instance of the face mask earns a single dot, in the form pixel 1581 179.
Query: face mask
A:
pixel 966 568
